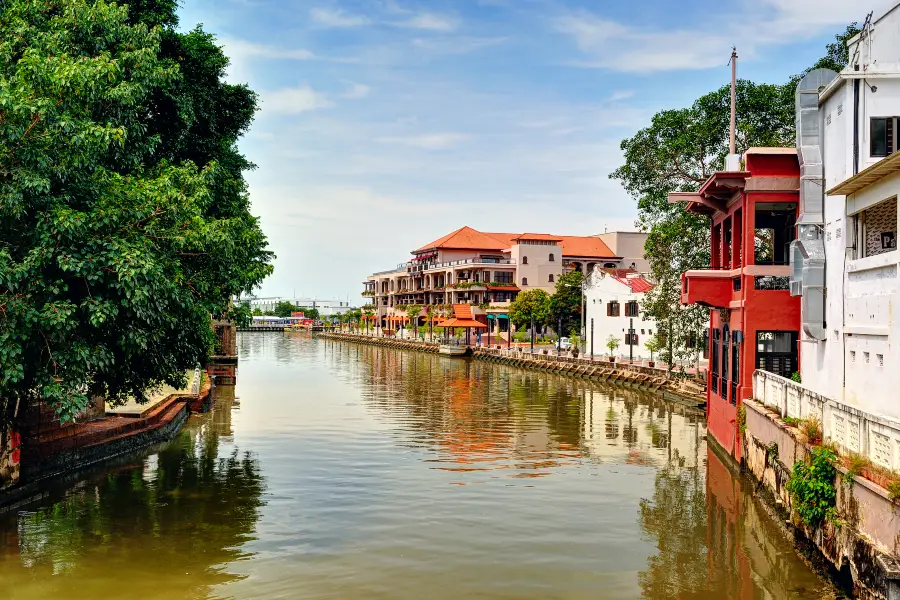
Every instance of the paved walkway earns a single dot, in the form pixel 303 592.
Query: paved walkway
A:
pixel 135 410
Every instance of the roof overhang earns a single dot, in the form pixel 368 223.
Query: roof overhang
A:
pixel 868 176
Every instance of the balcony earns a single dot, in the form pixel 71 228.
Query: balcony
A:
pixel 708 287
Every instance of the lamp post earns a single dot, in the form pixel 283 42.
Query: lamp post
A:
pixel 631 341
pixel 532 334
pixel 559 336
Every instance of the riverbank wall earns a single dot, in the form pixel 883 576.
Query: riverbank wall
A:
pixel 48 453
pixel 623 375
pixel 858 545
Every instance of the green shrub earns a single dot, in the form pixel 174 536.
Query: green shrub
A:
pixel 812 487
pixel 795 376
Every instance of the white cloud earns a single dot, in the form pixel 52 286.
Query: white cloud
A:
pixel 430 21
pixel 621 95
pixel 431 141
pixel 356 91
pixel 615 46
pixel 337 18
pixel 294 100
pixel 242 54
pixel 456 44
pixel 242 49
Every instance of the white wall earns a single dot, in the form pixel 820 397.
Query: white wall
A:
pixel 602 289
pixel 859 362
pixel 630 246
pixel 539 267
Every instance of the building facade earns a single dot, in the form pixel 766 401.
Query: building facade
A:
pixel 614 305
pixel 326 308
pixel 487 270
pixel 850 335
pixel 754 321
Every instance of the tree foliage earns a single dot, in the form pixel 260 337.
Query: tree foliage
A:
pixel 677 152
pixel 533 305
pixel 284 309
pixel 118 238
pixel 241 315
pixel 565 304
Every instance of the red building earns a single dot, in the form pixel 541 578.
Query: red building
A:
pixel 754 321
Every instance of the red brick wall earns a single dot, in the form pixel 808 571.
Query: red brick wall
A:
pixel 10 458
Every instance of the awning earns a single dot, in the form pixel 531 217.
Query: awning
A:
pixel 467 323
pixel 490 316
pixel 868 176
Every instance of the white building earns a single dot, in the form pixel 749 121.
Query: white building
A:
pixel 326 308
pixel 613 300
pixel 629 246
pixel 845 263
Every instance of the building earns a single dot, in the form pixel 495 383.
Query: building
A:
pixel 849 235
pixel 326 308
pixel 484 269
pixel 613 300
pixel 630 246
pixel 754 321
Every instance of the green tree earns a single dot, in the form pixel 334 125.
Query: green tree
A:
pixel 678 151
pixel 114 254
pixel 310 313
pixel 612 342
pixel 413 311
pixel 284 309
pixel 565 304
pixel 241 315
pixel 257 312
pixel 530 306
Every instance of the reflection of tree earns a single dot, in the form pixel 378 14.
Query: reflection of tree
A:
pixel 183 513
pixel 676 519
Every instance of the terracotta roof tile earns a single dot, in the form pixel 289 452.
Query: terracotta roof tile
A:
pixel 466 238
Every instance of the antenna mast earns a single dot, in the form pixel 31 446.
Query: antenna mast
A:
pixel 734 58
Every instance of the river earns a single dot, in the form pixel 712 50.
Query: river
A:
pixel 336 470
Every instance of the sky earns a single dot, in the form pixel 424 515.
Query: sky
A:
pixel 385 124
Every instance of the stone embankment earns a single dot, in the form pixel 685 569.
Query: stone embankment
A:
pixel 860 542
pixel 50 452
pixel 624 375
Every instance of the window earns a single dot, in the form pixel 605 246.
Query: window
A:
pixel 524 281
pixel 882 136
pixel 776 352
pixel 551 258
pixel 876 229
pixel 735 369
pixel 550 279
pixel 612 309
pixel 642 332
pixel 714 362
pixel 631 339
pixel 524 260
pixel 503 277
pixel 774 231
pixel 631 308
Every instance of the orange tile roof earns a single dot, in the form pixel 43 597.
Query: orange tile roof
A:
pixel 462 311
pixel 466 238
pixel 538 236
pixel 577 245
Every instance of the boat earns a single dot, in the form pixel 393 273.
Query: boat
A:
pixel 448 350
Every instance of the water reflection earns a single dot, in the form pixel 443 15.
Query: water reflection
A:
pixel 383 474
pixel 165 526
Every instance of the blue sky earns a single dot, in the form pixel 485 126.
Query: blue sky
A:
pixel 385 124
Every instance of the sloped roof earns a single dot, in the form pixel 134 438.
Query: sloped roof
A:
pixel 638 285
pixel 466 238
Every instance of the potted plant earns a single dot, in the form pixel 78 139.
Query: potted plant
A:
pixel 653 345
pixel 612 342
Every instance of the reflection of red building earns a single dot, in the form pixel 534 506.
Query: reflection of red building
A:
pixel 754 321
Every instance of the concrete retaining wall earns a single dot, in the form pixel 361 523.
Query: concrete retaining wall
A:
pixel 10 464
pixel 630 376
pixel 865 538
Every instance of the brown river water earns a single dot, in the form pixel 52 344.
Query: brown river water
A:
pixel 336 470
